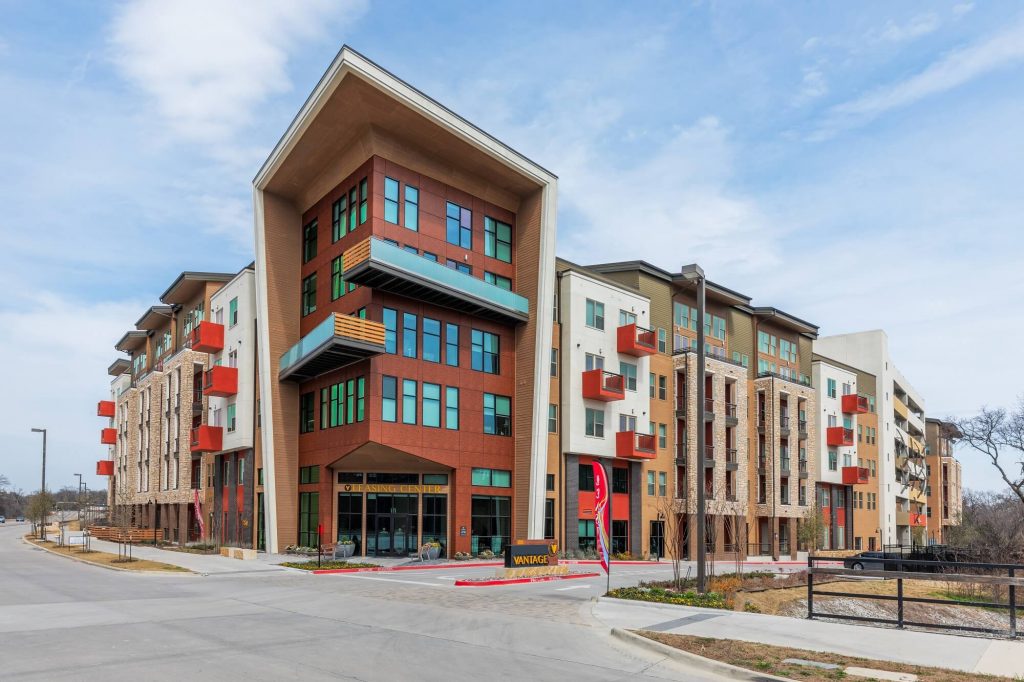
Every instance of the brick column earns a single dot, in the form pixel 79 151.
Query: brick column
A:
pixel 572 503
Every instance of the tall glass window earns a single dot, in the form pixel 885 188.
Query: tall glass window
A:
pixel 497 240
pixel 350 519
pixel 309 519
pixel 389 399
pixel 309 241
pixel 431 340
pixel 339 217
pixel 337 283
pixel 497 415
pixel 459 226
pixel 498 281
pixel 408 401
pixel 451 408
pixel 412 208
pixel 306 407
pixel 409 335
pixel 595 314
pixel 390 331
pixel 431 404
pixel 353 211
pixel 451 344
pixel 309 295
pixel 491 522
pixel 435 520
pixel 485 351
pixel 549 519
pixel 364 196
pixel 391 200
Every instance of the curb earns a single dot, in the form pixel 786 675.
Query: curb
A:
pixel 385 569
pixel 184 571
pixel 521 581
pixel 693 660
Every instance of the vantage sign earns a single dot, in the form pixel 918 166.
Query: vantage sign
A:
pixel 531 555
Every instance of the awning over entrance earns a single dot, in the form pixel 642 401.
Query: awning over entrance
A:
pixel 377 457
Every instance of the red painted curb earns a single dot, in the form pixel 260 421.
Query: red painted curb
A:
pixel 519 581
pixel 384 569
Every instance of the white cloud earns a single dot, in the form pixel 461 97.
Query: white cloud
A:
pixel 951 71
pixel 962 8
pixel 813 85
pixel 918 26
pixel 209 64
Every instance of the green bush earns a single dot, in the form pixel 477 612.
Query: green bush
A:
pixel 711 600
pixel 313 566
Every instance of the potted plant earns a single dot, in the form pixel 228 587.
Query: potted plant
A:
pixel 430 551
pixel 345 548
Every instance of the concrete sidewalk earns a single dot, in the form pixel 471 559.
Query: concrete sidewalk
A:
pixel 204 564
pixel 970 654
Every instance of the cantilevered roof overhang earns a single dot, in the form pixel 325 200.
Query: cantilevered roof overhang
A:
pixel 131 341
pixel 338 341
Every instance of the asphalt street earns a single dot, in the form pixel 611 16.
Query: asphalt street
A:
pixel 64 620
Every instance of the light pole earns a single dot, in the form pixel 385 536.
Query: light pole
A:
pixel 42 488
pixel 695 274
pixel 79 496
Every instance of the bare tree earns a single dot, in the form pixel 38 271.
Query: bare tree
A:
pixel 991 527
pixel 670 513
pixel 812 531
pixel 999 435
pixel 121 517
pixel 4 482
pixel 39 508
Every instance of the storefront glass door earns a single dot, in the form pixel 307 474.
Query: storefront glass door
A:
pixel 391 524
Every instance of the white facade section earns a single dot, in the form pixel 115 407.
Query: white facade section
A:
pixel 830 413
pixel 870 351
pixel 589 346
pixel 234 306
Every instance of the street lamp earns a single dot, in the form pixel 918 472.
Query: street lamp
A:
pixel 43 431
pixel 693 273
pixel 79 496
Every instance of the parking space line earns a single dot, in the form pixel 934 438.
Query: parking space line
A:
pixel 574 587
pixel 391 580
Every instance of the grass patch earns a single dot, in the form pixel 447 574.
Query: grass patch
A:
pixel 108 559
pixel 313 566
pixel 765 658
pixel 711 600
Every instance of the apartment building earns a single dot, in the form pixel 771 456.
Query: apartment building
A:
pixel 902 473
pixel 848 482
pixel 760 459
pixel 160 413
pixel 404 273
pixel 944 490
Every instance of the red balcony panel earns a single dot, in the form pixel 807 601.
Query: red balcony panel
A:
pixel 105 408
pixel 601 385
pixel 855 475
pixel 220 381
pixel 633 445
pixel 636 341
pixel 207 438
pixel 105 467
pixel 207 337
pixel 108 437
pixel 839 435
pixel 918 520
pixel 855 404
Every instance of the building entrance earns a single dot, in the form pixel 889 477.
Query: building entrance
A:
pixel 391 524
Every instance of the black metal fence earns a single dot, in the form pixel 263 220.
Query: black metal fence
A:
pixel 895 567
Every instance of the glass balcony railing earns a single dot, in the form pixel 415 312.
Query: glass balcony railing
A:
pixel 336 342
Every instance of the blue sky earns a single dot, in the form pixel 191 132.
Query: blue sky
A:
pixel 856 164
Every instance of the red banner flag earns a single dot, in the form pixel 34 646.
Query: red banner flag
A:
pixel 198 508
pixel 602 514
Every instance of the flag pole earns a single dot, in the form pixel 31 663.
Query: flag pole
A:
pixel 608 573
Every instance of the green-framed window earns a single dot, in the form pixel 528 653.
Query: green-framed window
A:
pixel 309 241
pixel 451 408
pixel 497 239
pixel 309 295
pixel 412 209
pixel 339 217
pixel 391 200
pixel 497 415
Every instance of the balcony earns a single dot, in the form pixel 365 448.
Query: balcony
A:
pixel 605 386
pixel 784 463
pixel 338 341
pixel 105 408
pixel 732 462
pixel 918 520
pixel 839 436
pixel 108 437
pixel 802 468
pixel 105 467
pixel 802 428
pixel 636 341
pixel 899 408
pixel 709 456
pixel 207 337
pixel 681 454
pixel 784 425
pixel 375 263
pixel 855 475
pixel 855 404
pixel 633 445
pixel 207 438
pixel 220 381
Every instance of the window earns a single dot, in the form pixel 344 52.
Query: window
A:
pixel 231 417
pixel 309 241
pixel 451 408
pixel 498 281
pixel 650 483
pixel 549 519
pixel 309 519
pixel 662 340
pixel 620 536
pixel 662 483
pixel 309 295
pixel 741 358
pixel 586 535
pixel 391 200
pixel 460 267
pixel 432 257
pixel 491 523
pixel 408 401
pixel 431 340
pixel 831 383
pixel 339 217
pixel 497 240
pixel 389 399
pixel 684 316
pixel 459 226
pixel 310 474
pixel 412 209
pixel 593 362
pixel 554 362
pixel 390 331
pixel 484 351
pixel 833 460
pixel 552 418
pixel 364 195
pixel 432 404
pixel 586 475
pixel 451 344
pixel 651 383
pixel 233 312
pixel 595 314
pixel 628 371
pixel 549 483
pixel 337 283
pixel 662 387
pixel 620 480
pixel 497 414
pixel 306 408
pixel 714 326
pixel 662 436
pixel 408 335
pixel 595 422
pixel 496 478
pixel 626 317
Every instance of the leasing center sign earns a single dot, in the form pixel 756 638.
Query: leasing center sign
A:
pixel 527 556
